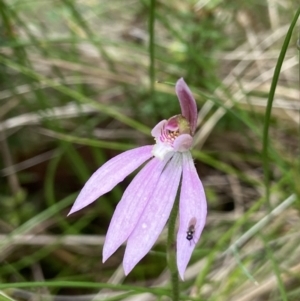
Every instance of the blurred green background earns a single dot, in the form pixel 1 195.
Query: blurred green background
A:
pixel 81 81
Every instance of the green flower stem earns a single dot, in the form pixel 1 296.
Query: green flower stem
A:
pixel 171 252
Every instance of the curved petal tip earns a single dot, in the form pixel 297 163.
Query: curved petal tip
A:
pixel 187 103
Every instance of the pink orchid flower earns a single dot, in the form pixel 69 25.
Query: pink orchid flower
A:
pixel 146 204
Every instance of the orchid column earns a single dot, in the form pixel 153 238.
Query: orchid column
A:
pixel 145 207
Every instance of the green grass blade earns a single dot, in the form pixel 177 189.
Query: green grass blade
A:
pixel 265 152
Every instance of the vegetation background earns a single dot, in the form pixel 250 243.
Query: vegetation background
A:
pixel 81 81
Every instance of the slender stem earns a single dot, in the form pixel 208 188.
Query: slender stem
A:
pixel 270 102
pixel 13 181
pixel 171 252
pixel 151 46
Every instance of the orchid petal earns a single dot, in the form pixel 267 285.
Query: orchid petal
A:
pixel 110 174
pixel 187 103
pixel 183 143
pixel 192 209
pixel 172 123
pixel 155 215
pixel 131 206
pixel 156 131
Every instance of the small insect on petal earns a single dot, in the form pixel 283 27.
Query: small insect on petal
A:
pixel 191 229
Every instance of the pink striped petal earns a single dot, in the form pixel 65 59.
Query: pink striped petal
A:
pixel 192 212
pixel 131 206
pixel 187 103
pixel 110 174
pixel 156 131
pixel 155 215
